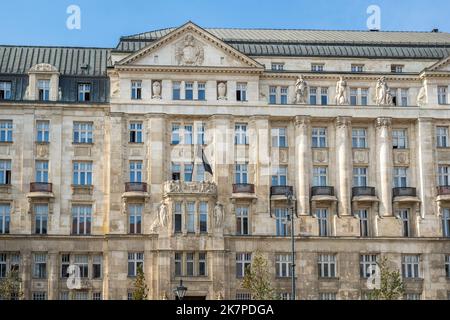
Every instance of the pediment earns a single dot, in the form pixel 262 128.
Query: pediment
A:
pixel 190 46
pixel 441 66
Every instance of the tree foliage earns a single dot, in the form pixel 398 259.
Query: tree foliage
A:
pixel 391 284
pixel 140 286
pixel 11 287
pixel 257 279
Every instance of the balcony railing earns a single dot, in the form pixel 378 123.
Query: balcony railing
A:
pixel 443 190
pixel 243 188
pixel 281 190
pixel 322 191
pixel 135 187
pixel 363 191
pixel 41 187
pixel 404 192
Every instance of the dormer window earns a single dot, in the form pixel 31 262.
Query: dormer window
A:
pixel 44 90
pixel 5 90
pixel 84 92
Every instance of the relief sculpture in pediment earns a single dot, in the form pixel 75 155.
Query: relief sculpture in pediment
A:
pixel 190 52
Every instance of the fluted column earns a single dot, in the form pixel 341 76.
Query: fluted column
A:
pixel 344 164
pixel 303 155
pixel 384 165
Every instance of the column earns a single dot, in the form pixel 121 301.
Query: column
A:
pixel 384 165
pixel 53 276
pixel 344 165
pixel 303 155
pixel 426 181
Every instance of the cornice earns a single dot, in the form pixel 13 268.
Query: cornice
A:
pixel 181 69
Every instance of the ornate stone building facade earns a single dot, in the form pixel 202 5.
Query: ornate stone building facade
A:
pixel 102 158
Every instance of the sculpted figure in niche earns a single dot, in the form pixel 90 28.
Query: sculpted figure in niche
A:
pixel 301 90
pixel 156 86
pixel 163 215
pixel 218 215
pixel 422 96
pixel 222 91
pixel 341 92
pixel 384 96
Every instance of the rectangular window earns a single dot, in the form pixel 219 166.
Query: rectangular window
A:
pixel 201 134
pixel 5 172
pixel 178 264
pixel 272 95
pixel 40 265
pixel 327 266
pixel 135 129
pixel 242 221
pixel 283 224
pixel 397 68
pixel 40 218
pixel 279 139
pixel 400 177
pixel 364 97
pixel 367 265
pixel 43 131
pixel 242 296
pixel 319 138
pixel 3 267
pixel 175 133
pixel 241 134
pixel 135 171
pixel 442 95
pixel 82 173
pixel 360 176
pixel 82 262
pixel 189 91
pixel 399 139
pixel 404 97
pixel 315 67
pixel 276 66
pixel 241 92
pixel 5 90
pixel 447 266
pixel 327 296
pixel 443 176
pixel 446 223
pixel 413 296
pixel 6 131
pixel 5 218
pixel 324 96
pixel 190 217
pixel 135 218
pixel 241 173
pixel 83 132
pixel 135 261
pixel 178 218
pixel 203 217
pixel 357 68
pixel 81 220
pixel 39 295
pixel 313 95
pixel 202 264
pixel 14 262
pixel 353 96
pixel 405 219
pixel 44 90
pixel 284 93
pixel 176 90
pixel 243 261
pixel 411 266
pixel 41 169
pixel 136 90
pixel 97 262
pixel 320 176
pixel 283 265
pixel 359 138
pixel 442 137
pixel 188 171
pixel 65 263
pixel 363 223
pixel 188 129
pixel 84 92
pixel 200 173
pixel 96 296
pixel 279 176
pixel 322 219
pixel 201 91
pixel 190 264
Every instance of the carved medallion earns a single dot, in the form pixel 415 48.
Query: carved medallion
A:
pixel 189 52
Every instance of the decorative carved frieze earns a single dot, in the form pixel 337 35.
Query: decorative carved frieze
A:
pixel 383 123
pixel 200 188
pixel 82 151
pixel 361 156
pixel 42 151
pixel 401 158
pixel 320 156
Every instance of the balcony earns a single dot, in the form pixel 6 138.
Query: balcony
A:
pixel 443 193
pixel 405 195
pixel 41 190
pixel 135 190
pixel 280 192
pixel 176 187
pixel 324 193
pixel 364 194
pixel 243 191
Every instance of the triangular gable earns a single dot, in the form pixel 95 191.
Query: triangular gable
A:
pixel 442 65
pixel 190 46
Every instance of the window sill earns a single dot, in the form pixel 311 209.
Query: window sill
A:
pixel 6 142
pixel 43 143
pixel 328 279
pixel 80 144
pixel 136 143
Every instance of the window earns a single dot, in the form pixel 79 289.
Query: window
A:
pixel 367 265
pixel 404 217
pixel 39 295
pixel 447 266
pixel 243 296
pixel 283 265
pixel 283 224
pixel 320 176
pixel 82 173
pixel 327 266
pixel 65 263
pixel 284 296
pixel 178 264
pixel 135 171
pixel 242 221
pixel 44 90
pixel 81 220
pixel 5 218
pixel 188 134
pixel 135 261
pixel 413 296
pixel 40 218
pixel 399 139
pixel 201 134
pixel 5 172
pixel 353 96
pixel 175 133
pixel 201 91
pixel 396 68
pixel 82 262
pixel 279 176
pixel 442 95
pixel 177 217
pixel 96 296
pixel 97 267
pixel 84 92
pixel 200 173
pixel 135 132
pixel 188 170
pixel 40 265
pixel 357 68
pixel 272 95
pixel 135 218
pixel 243 261
pixel 83 132
pixel 195 264
pixel 446 223
pixel 364 97
pixel 322 219
pixel 324 96
pixel 203 217
pixel 136 90
pixel 276 66
pixel 41 171
pixel 80 296
pixel 442 137
pixel 176 90
pixel 316 67
pixel 360 177
pixel 190 264
pixel 319 137
pixel 359 138
pixel 400 177
pixel 64 296
pixel 202 264
pixel 190 217
pixel 443 176
pixel 327 296
pixel 176 171
pixel 313 95
pixel 240 134
pixel 404 97
pixel 241 92
pixel 279 138
pixel 189 90
pixel 5 90
pixel 6 131
pixel 241 173
pixel 284 95
pixel 363 223
pixel 411 266
pixel 43 131
pixel 9 262
pixel 130 296
pixel 3 267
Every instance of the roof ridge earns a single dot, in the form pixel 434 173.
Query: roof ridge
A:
pixel 52 47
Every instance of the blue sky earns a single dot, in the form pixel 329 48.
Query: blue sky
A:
pixel 43 22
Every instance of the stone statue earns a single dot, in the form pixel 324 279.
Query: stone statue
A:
pixel 163 215
pixel 222 91
pixel 156 86
pixel 59 94
pixel 301 91
pixel 422 97
pixel 190 52
pixel 383 93
pixel 341 92
pixel 218 215
pixel 115 87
